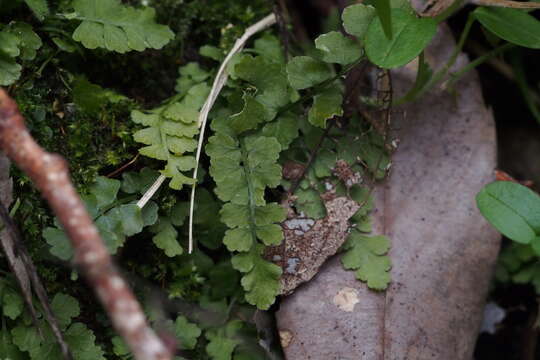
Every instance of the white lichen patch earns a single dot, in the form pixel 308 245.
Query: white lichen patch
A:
pixel 292 263
pixel 302 225
pixel 346 299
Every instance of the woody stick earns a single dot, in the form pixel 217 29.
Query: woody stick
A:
pixel 49 172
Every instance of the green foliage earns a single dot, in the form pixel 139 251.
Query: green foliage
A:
pixel 79 338
pixel 326 105
pixel 512 25
pixel 222 342
pixel 386 18
pixel 336 48
pixel 412 35
pixel 17 40
pixel 513 209
pixel 166 236
pixel 40 8
pixel 115 218
pixel 304 72
pixel 242 169
pixel 356 19
pixel 12 304
pixel 169 132
pixel 186 332
pixel 109 24
pixel 367 255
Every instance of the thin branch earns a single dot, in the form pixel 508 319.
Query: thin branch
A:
pixel 16 254
pixel 49 172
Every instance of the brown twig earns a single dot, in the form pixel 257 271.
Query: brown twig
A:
pixel 49 172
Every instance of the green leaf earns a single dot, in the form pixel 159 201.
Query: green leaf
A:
pixel 65 308
pixel 8 350
pixel 40 8
pixel 67 45
pixel 324 163
pixel 247 226
pixel 9 44
pixel 60 245
pixel 367 256
pixel 166 237
pixel 119 346
pixel 250 117
pixel 169 134
pixel 149 213
pixel 356 19
pixel 132 220
pixel 133 182
pixel 269 47
pixel 109 24
pixel 29 40
pixel 26 338
pixel 187 333
pixel 284 129
pixel 91 98
pixel 511 208
pixel 261 283
pixel 82 343
pixel 10 71
pixel 512 25
pixel 411 36
pixel 310 203
pixel 223 341
pixel 336 48
pixel 239 239
pixel 105 191
pixel 12 303
pixel 304 72
pixel 326 105
pixel 261 154
pixel 211 52
pixel 269 78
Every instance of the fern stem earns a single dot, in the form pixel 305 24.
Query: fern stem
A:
pixel 251 200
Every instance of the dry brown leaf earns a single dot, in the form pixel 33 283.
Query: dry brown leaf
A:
pixel 443 251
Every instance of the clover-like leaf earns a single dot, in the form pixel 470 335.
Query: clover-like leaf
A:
pixel 512 208
pixel 356 19
pixel 410 36
pixel 304 72
pixel 166 237
pixel 336 48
